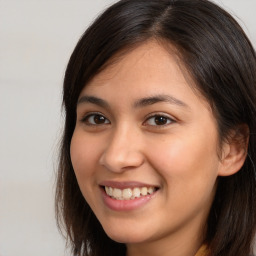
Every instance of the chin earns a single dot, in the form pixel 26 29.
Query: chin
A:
pixel 126 236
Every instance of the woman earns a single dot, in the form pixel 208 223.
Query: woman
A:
pixel 158 152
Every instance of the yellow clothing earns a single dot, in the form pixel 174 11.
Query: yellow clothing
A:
pixel 202 251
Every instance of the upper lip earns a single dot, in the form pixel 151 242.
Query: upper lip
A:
pixel 125 184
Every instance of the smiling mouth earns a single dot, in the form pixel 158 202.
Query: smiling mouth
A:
pixel 129 193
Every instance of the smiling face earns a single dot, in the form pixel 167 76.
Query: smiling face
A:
pixel 144 151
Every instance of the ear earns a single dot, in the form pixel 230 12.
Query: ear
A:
pixel 234 151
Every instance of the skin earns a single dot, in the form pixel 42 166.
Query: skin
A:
pixel 179 155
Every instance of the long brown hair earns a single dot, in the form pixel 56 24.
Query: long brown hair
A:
pixel 221 60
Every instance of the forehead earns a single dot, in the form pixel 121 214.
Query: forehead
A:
pixel 150 55
pixel 150 68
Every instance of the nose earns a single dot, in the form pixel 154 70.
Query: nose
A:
pixel 123 151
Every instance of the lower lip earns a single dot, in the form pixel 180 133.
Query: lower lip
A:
pixel 126 205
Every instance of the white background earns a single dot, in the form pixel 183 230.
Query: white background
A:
pixel 36 40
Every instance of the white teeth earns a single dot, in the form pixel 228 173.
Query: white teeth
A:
pixel 144 191
pixel 136 192
pixel 110 191
pixel 150 190
pixel 117 193
pixel 128 193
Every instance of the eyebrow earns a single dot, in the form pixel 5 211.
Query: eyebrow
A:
pixel 143 102
pixel 157 99
pixel 93 100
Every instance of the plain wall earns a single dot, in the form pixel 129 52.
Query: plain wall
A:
pixel 36 40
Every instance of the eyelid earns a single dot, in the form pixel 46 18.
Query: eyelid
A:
pixel 148 117
pixel 89 114
pixel 159 114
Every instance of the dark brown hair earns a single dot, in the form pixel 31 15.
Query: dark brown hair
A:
pixel 222 62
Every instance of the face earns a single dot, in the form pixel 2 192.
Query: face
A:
pixel 144 150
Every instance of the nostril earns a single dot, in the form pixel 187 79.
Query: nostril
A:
pixel 121 160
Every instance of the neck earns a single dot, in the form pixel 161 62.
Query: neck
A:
pixel 179 244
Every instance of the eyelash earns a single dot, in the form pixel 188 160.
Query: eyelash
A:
pixel 159 115
pixel 164 117
pixel 86 118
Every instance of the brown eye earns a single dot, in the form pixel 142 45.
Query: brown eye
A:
pixel 159 120
pixel 96 119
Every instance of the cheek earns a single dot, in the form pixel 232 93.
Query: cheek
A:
pixel 189 176
pixel 188 162
pixel 84 160
pixel 83 152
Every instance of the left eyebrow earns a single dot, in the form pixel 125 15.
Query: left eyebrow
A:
pixel 159 98
pixel 93 100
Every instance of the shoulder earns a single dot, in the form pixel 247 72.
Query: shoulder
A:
pixel 202 251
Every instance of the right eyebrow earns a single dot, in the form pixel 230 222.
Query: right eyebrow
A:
pixel 93 100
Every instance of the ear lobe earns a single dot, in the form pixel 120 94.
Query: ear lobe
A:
pixel 234 151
